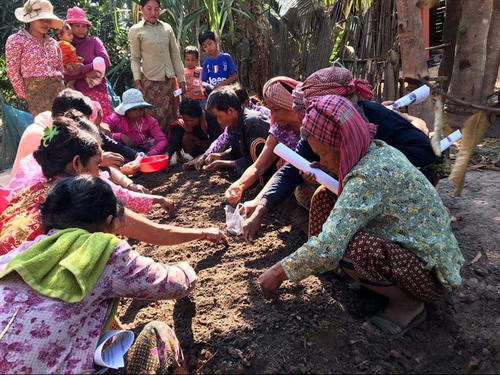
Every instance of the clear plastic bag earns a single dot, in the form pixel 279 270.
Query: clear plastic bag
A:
pixel 234 221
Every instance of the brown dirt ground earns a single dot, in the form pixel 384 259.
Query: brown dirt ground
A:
pixel 226 326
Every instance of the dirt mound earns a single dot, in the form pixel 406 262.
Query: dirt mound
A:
pixel 226 326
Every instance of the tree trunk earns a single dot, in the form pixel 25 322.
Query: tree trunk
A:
pixel 492 53
pixel 258 35
pixel 470 56
pixel 451 21
pixel 412 48
pixel 322 47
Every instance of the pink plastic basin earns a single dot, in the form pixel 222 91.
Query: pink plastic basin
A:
pixel 155 163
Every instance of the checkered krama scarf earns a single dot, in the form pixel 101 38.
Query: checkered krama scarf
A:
pixel 277 92
pixel 333 121
pixel 329 81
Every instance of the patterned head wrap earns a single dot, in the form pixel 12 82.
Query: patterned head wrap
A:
pixel 329 81
pixel 277 92
pixel 333 121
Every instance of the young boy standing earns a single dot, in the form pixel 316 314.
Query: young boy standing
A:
pixel 192 72
pixel 218 68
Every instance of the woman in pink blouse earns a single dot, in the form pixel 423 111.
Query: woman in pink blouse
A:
pixel 57 325
pixel 88 47
pixel 33 59
pixel 130 125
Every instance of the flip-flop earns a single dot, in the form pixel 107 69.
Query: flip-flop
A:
pixel 393 329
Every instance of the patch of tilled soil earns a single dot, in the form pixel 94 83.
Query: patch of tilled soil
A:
pixel 226 326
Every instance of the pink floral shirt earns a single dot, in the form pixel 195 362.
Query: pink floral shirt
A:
pixel 220 144
pixel 285 135
pixel 26 58
pixel 51 336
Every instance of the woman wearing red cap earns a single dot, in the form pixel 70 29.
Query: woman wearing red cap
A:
pixel 88 47
pixel 33 58
pixel 389 229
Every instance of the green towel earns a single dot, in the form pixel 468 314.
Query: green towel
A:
pixel 66 265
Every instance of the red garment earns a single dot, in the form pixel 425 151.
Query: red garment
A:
pixel 333 121
pixel 68 53
pixel 194 89
pixel 334 81
pixel 329 81
pixel 21 221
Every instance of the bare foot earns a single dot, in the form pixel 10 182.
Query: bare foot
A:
pixel 132 167
pixel 404 313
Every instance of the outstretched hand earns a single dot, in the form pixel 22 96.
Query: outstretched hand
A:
pixel 168 205
pixel 251 225
pixel 112 159
pixel 271 280
pixel 215 235
pixel 218 164
pixel 233 193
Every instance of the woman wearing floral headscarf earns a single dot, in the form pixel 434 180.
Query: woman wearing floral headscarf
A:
pixel 391 128
pixel 285 128
pixel 33 58
pixel 388 229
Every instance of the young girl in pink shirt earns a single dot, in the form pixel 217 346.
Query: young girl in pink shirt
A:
pixel 130 125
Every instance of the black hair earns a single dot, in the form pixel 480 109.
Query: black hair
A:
pixel 83 123
pixel 241 92
pixel 190 107
pixel 144 2
pixel 207 34
pixel 71 99
pixel 192 50
pixel 222 99
pixel 80 202
pixel 54 154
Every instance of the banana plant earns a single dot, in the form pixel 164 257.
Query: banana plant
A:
pixel 220 11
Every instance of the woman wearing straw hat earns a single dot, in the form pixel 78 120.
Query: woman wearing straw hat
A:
pixel 34 62
pixel 88 47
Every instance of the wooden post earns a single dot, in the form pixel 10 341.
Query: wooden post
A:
pixel 412 46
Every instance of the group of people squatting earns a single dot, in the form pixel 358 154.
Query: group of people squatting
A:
pixel 63 267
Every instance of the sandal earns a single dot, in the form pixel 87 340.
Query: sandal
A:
pixel 393 329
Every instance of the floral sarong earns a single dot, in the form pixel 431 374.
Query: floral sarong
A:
pixel 40 93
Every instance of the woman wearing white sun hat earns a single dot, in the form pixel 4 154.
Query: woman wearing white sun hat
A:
pixel 34 60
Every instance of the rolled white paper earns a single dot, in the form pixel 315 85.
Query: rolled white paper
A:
pixel 449 140
pixel 414 97
pixel 302 164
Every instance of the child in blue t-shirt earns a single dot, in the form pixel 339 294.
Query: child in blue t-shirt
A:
pixel 218 68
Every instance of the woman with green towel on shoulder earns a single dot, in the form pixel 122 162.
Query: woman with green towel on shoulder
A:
pixel 68 150
pixel 59 289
